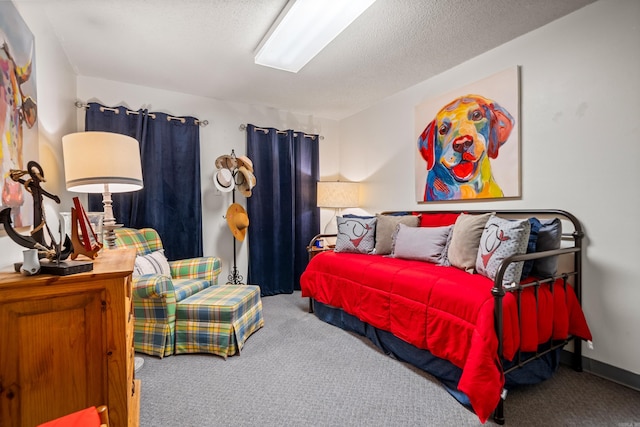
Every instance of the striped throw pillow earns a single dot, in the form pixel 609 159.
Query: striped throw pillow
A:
pixel 153 263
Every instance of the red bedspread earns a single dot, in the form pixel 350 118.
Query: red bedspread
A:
pixel 446 311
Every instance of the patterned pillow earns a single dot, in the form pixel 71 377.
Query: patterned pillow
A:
pixel 153 263
pixel 465 239
pixel 531 246
pixel 385 228
pixel 420 243
pixel 501 239
pixel 356 235
pixel 549 238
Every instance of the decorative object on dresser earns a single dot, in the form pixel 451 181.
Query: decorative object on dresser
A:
pixel 30 264
pixel 86 244
pixel 67 344
pixel 54 252
pixel 235 173
pixel 102 162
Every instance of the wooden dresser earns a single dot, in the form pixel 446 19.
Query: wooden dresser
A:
pixel 66 343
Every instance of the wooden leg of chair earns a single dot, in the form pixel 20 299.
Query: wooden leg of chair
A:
pixel 103 412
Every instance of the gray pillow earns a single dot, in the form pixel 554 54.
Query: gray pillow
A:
pixel 549 238
pixel 444 259
pixel 501 239
pixel 420 243
pixel 385 228
pixel 356 235
pixel 465 240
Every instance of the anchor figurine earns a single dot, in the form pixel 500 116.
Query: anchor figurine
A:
pixel 54 252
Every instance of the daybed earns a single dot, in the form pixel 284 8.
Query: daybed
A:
pixel 474 298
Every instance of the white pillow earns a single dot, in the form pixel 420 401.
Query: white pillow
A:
pixel 153 263
pixel 421 243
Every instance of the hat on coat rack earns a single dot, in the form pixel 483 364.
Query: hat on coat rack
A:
pixel 246 162
pixel 226 162
pixel 245 181
pixel 223 179
pixel 237 220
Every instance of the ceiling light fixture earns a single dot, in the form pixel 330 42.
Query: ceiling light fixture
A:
pixel 303 29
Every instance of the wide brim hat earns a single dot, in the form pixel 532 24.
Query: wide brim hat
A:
pixel 246 162
pixel 226 162
pixel 238 221
pixel 245 181
pixel 223 179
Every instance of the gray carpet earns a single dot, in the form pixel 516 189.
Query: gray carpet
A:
pixel 300 371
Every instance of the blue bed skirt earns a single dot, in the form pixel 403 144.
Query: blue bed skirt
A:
pixel 447 373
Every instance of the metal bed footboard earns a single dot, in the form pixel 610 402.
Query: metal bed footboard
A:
pixel 499 291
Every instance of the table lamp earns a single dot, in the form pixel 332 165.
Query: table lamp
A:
pixel 337 195
pixel 102 162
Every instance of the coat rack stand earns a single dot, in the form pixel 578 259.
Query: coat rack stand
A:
pixel 234 276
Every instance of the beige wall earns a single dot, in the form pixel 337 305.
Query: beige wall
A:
pixel 579 145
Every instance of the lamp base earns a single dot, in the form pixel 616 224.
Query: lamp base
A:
pixel 110 234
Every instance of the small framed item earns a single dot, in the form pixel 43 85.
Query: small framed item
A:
pixel 87 243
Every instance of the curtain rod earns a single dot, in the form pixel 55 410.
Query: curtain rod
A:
pixel 153 116
pixel 244 127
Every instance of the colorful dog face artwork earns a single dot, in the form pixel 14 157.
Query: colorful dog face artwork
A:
pixel 457 146
pixel 17 110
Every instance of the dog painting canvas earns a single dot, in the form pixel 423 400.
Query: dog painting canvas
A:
pixel 18 112
pixel 468 144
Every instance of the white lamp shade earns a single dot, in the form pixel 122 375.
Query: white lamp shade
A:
pixel 93 159
pixel 338 194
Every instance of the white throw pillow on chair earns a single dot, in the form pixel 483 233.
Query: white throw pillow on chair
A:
pixel 153 263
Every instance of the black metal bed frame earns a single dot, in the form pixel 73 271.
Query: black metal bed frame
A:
pixel 499 291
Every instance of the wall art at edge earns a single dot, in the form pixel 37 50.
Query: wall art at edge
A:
pixel 18 111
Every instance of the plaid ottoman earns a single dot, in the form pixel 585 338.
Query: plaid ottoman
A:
pixel 218 319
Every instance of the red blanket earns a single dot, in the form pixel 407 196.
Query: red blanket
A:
pixel 446 311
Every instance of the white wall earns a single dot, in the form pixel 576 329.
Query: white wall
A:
pixel 580 85
pixel 221 136
pixel 56 88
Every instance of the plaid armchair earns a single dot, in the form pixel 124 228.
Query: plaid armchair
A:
pixel 155 296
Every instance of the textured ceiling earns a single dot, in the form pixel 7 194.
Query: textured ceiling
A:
pixel 205 47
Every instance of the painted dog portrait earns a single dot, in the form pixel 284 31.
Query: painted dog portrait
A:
pixel 18 112
pixel 458 145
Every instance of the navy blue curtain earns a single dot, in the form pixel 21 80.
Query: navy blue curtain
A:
pixel 170 201
pixel 282 211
